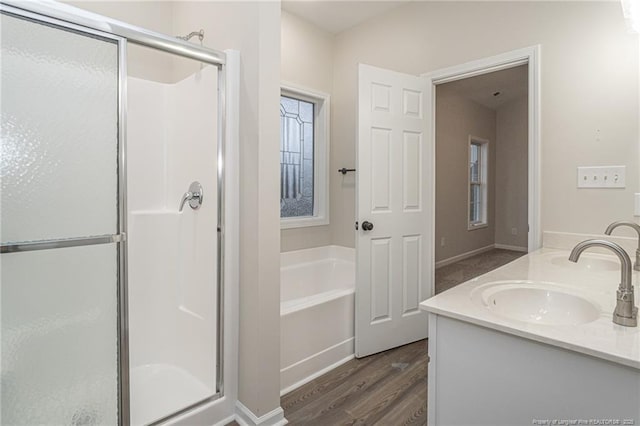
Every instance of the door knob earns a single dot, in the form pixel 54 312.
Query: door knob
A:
pixel 367 226
pixel 193 196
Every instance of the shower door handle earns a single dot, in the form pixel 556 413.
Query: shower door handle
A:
pixel 193 196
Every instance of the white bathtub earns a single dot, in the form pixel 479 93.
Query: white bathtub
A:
pixel 317 298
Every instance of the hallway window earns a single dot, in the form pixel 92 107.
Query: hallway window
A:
pixel 478 176
pixel 303 158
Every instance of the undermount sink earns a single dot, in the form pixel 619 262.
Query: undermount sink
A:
pixel 587 263
pixel 538 303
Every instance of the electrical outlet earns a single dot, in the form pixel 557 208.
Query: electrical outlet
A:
pixel 442 241
pixel 602 177
pixel 514 231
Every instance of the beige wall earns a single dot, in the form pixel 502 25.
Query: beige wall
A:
pixel 511 173
pixel 141 62
pixel 589 89
pixel 307 62
pixel 253 28
pixel 456 119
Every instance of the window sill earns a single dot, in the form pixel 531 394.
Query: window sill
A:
pixel 303 222
pixel 473 227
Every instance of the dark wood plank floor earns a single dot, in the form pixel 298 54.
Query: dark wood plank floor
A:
pixel 385 389
pixel 389 388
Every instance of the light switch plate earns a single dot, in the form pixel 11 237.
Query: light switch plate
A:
pixel 602 177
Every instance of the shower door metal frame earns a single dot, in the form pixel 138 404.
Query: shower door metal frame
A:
pixel 119 238
pixel 70 18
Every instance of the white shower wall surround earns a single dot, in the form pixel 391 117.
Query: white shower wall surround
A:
pixel 171 142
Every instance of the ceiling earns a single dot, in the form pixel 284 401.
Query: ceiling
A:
pixel 512 83
pixel 336 16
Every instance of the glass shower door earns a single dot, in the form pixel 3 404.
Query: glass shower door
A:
pixel 60 265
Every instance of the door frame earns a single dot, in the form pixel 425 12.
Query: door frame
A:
pixel 531 57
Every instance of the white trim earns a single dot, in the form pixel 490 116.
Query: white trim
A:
pixel 431 369
pixel 347 345
pixel 512 248
pixel 226 421
pixel 530 56
pixel 463 256
pixel 321 158
pixel 245 417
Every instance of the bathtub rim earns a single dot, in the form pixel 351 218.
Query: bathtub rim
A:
pixel 301 303
pixel 314 254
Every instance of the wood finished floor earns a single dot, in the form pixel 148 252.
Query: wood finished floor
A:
pixel 385 389
pixel 389 388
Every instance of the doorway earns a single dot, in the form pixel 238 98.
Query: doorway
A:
pixel 530 58
pixel 481 205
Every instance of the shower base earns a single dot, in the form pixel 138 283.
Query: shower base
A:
pixel 159 390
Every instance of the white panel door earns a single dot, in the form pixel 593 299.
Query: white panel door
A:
pixel 394 265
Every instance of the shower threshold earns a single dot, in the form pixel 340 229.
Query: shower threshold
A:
pixel 159 390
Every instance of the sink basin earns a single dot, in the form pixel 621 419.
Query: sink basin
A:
pixel 538 303
pixel 587 263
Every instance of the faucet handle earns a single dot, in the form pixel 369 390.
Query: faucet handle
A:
pixel 186 197
pixel 194 196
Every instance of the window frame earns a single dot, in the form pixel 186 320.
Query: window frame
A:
pixel 321 144
pixel 483 175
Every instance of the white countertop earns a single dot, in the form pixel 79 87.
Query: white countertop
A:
pixel 600 338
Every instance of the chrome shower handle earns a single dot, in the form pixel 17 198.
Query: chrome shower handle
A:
pixel 186 197
pixel 194 196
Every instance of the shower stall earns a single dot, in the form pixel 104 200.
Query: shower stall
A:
pixel 113 220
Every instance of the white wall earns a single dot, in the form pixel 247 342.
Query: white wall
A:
pixel 511 173
pixel 307 61
pixel 589 89
pixel 456 119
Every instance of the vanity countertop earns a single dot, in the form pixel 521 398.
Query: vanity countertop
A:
pixel 599 338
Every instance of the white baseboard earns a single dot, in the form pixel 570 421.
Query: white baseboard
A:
pixel 296 375
pixel 245 417
pixel 226 421
pixel 512 248
pixel 463 256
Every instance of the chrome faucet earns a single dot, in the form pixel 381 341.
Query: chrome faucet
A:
pixel 625 313
pixel 614 225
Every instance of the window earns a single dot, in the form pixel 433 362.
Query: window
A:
pixel 478 156
pixel 303 158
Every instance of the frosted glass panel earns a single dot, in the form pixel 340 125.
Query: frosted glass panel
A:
pixel 58 147
pixel 59 336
